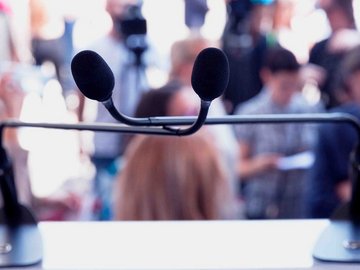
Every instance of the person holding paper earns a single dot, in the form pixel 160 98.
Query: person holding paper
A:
pixel 269 191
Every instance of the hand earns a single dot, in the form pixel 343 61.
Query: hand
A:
pixel 67 202
pixel 343 190
pixel 266 162
pixel 58 208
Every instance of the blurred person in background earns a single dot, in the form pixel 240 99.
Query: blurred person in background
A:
pixel 172 99
pixel 195 13
pixel 292 19
pixel 46 208
pixel 247 36
pixel 7 46
pixel 172 178
pixel 328 53
pixel 183 53
pixel 22 97
pixel 51 39
pixel 268 191
pixel 330 178
pixel 182 57
pixel 160 102
pixel 127 64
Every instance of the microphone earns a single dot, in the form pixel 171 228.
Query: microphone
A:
pixel 93 76
pixel 210 76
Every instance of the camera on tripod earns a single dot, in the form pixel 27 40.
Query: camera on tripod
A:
pixel 132 27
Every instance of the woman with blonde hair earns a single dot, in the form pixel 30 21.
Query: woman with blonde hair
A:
pixel 172 178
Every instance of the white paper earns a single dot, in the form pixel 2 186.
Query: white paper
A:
pixel 302 160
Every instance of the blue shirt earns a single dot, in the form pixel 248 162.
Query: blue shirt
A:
pixel 332 165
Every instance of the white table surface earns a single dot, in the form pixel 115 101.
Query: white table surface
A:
pixel 183 245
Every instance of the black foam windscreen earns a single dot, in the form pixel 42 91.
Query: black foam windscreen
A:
pixel 92 75
pixel 210 74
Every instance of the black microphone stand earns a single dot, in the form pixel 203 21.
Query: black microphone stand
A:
pixel 134 37
pixel 21 243
pixel 136 46
pixel 20 239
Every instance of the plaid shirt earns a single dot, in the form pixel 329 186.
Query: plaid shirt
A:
pixel 275 194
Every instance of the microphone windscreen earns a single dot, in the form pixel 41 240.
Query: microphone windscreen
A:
pixel 210 74
pixel 92 75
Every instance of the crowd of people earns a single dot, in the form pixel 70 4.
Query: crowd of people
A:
pixel 250 171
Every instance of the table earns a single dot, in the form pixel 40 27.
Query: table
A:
pixel 285 244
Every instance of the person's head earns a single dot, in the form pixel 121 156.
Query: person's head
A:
pixel 340 13
pixel 261 16
pixel 172 99
pixel 349 75
pixel 154 102
pixel 117 9
pixel 182 56
pixel 280 75
pixel 38 14
pixel 171 178
pixel 184 103
pixel 283 13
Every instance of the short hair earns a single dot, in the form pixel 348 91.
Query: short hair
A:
pixel 154 103
pixel 278 59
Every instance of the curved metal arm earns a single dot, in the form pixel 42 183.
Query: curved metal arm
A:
pixel 196 123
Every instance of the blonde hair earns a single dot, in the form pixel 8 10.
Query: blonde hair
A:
pixel 184 52
pixel 171 178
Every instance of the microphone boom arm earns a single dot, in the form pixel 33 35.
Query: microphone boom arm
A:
pixel 157 126
pixel 21 235
pixel 196 123
pixel 162 126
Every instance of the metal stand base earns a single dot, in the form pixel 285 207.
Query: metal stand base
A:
pixel 340 242
pixel 20 243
